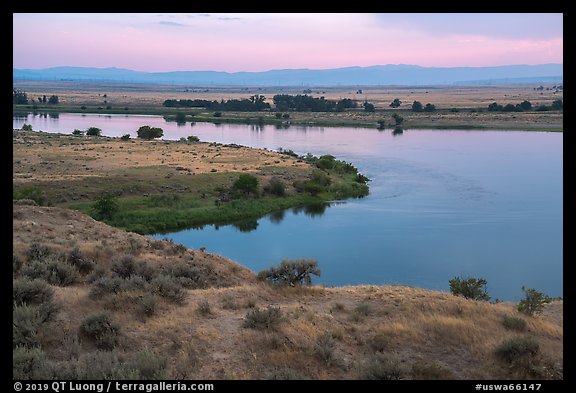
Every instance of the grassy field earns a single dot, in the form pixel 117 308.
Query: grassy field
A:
pixel 457 106
pixel 94 302
pixel 163 185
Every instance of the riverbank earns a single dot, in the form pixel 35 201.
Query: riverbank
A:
pixel 126 306
pixel 457 107
pixel 164 185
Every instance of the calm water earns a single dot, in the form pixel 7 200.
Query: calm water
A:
pixel 442 203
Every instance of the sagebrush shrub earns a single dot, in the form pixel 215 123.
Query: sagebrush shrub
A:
pixel 80 260
pixel 518 351
pixel 165 287
pixel 149 366
pixel 37 252
pixel 26 321
pixel 101 330
pixel 268 318
pixel 384 367
pixel 31 291
pixel 514 323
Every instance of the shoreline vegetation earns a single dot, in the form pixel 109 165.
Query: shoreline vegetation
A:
pixel 94 301
pixel 527 107
pixel 152 186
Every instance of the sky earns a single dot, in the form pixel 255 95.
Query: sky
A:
pixel 271 41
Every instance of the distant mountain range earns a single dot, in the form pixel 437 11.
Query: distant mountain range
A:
pixel 391 74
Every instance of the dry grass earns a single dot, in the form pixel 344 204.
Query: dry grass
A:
pixel 431 333
pixel 447 100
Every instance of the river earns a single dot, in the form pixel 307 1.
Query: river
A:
pixel 442 204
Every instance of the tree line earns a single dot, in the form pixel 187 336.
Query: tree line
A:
pixel 283 102
pixel 252 104
pixel 19 97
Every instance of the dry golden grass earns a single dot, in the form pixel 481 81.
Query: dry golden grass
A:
pixel 457 336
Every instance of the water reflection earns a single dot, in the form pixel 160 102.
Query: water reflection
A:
pixel 246 226
pixel 397 131
pixel 277 216
pixel 314 210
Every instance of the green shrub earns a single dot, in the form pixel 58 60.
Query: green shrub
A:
pixel 125 137
pixel 258 319
pixel 291 272
pixel 31 291
pixel 533 302
pixel 31 193
pixel 149 133
pixel 101 330
pixel 275 187
pixel 321 178
pixel 93 131
pixel 470 288
pixel 193 139
pixel 518 351
pixel 513 323
pixel 384 367
pixel 105 207
pixel 246 184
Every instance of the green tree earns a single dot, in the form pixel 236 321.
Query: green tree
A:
pixel 53 100
pixel 417 106
pixel 533 302
pixel 149 133
pixel 429 107
pixel 395 103
pixel 125 137
pixel 526 105
pixel 397 118
pixel 291 272
pixel 27 127
pixel 558 105
pixel 246 184
pixel 93 131
pixel 105 207
pixel 19 97
pixel 470 288
pixel 369 107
